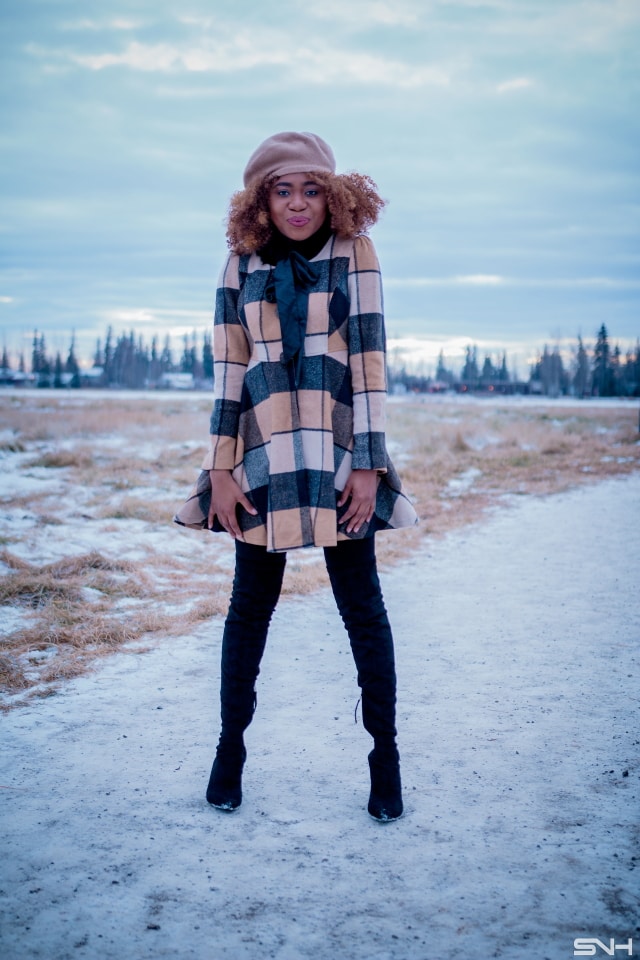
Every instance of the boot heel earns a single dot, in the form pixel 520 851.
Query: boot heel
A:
pixel 224 791
pixel 385 799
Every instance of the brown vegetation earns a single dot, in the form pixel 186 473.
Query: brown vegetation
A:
pixel 126 462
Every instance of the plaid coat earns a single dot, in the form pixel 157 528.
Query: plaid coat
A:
pixel 291 449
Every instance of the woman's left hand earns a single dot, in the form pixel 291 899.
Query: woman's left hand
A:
pixel 361 487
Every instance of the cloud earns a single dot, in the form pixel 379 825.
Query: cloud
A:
pixel 359 12
pixel 117 23
pixel 478 279
pixel 6 299
pixel 138 56
pixel 362 14
pixel 246 50
pixel 309 51
pixel 240 52
pixel 176 322
pixel 596 25
pixel 493 280
pixel 517 83
pixel 608 283
pixel 570 25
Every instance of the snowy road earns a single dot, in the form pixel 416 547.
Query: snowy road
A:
pixel 517 646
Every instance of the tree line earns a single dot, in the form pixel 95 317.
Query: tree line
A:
pixel 127 361
pixel 602 371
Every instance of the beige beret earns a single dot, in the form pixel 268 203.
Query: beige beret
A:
pixel 289 152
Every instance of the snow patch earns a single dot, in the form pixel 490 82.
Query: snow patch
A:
pixel 461 484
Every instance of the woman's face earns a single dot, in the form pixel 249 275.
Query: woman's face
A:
pixel 297 205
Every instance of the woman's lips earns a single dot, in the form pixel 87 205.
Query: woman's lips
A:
pixel 298 221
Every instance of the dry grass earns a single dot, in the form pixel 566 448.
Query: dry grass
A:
pixel 457 460
pixel 135 508
pixel 510 450
pixel 62 459
pixel 12 446
pixel 87 606
pixel 37 418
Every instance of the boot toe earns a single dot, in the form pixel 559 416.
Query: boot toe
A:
pixel 385 812
pixel 227 805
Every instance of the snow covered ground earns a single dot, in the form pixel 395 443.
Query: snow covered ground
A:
pixel 517 646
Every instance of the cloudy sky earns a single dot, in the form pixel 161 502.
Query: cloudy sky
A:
pixel 504 133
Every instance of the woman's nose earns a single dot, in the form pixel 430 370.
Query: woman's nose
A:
pixel 298 201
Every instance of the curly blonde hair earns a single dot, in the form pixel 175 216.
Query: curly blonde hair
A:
pixel 353 203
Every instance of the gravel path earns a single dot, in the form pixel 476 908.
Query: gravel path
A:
pixel 517 647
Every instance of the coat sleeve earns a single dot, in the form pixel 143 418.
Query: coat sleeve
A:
pixel 230 358
pixel 367 357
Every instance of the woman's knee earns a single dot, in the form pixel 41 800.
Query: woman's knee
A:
pixel 353 574
pixel 257 581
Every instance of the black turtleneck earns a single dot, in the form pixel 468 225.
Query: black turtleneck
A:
pixel 278 246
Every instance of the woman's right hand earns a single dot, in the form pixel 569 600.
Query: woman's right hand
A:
pixel 225 496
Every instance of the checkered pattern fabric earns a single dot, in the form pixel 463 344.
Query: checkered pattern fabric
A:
pixel 291 450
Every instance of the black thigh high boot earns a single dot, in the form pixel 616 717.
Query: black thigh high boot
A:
pixel 256 588
pixel 352 570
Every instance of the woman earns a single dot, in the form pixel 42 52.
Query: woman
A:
pixel 298 455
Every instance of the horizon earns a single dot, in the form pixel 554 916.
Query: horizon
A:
pixel 408 355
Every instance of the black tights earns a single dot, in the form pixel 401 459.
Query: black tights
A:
pixel 352 570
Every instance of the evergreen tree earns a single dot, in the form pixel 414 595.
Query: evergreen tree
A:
pixel 108 369
pixel 41 365
pixel 155 367
pixel 57 372
pixel 72 365
pixel 442 374
pixel 121 361
pixel 141 365
pixel 602 374
pixel 549 372
pixel 185 364
pixel 489 373
pixel 617 384
pixel 196 362
pixel 5 364
pixel 166 357
pixel 470 369
pixel 582 374
pixel 189 362
pixel 36 360
pixel 631 372
pixel 42 349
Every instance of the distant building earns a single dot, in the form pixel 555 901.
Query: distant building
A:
pixel 16 378
pixel 176 381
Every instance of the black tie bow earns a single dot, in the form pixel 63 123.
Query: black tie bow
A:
pixel 288 286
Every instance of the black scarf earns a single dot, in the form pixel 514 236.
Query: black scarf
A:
pixel 289 284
